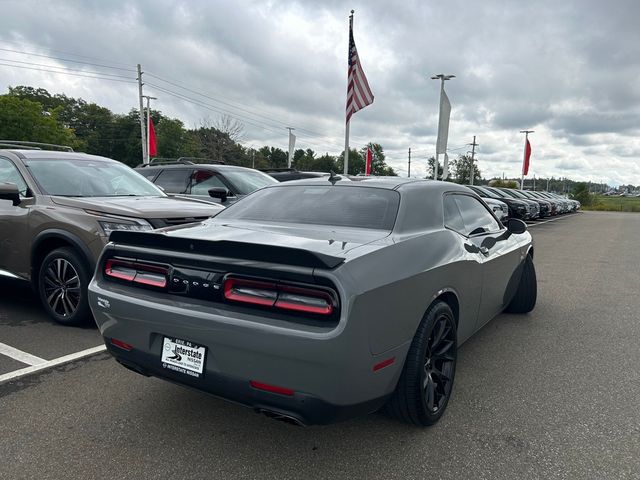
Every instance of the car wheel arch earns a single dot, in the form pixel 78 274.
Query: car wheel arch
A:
pixel 450 297
pixel 48 240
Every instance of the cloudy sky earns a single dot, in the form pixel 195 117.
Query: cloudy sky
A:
pixel 569 70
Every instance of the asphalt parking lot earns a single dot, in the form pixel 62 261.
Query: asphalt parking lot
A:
pixel 554 394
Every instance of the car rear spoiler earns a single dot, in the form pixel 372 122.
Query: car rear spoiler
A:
pixel 228 249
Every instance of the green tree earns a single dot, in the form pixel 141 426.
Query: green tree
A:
pixel 170 137
pixel 461 170
pixel 22 119
pixel 273 157
pixel 431 162
pixel 356 162
pixel 498 182
pixel 378 164
pixel 325 163
pixel 581 193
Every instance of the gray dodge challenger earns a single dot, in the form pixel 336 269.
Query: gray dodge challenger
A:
pixel 316 300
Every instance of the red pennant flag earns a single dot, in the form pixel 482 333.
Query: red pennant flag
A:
pixel 369 162
pixel 527 156
pixel 153 148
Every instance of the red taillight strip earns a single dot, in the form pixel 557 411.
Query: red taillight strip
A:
pixel 272 388
pixel 232 291
pixel 142 273
pixel 278 295
pixel 110 272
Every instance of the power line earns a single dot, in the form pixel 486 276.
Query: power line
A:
pixel 250 121
pixel 113 62
pixel 234 106
pixel 67 73
pixel 65 68
pixel 66 59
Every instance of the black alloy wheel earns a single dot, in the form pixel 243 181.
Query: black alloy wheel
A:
pixel 439 364
pixel 426 382
pixel 62 285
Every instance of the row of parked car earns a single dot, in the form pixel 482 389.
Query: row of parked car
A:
pixel 309 301
pixel 230 183
pixel 525 204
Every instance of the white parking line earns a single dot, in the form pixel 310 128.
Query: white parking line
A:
pixel 20 356
pixel 546 221
pixel 50 363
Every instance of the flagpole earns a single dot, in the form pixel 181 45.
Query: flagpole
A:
pixel 524 155
pixel 346 130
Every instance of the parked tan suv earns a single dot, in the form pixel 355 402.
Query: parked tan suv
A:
pixel 57 209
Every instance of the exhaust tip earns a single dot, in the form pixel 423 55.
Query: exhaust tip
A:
pixel 281 417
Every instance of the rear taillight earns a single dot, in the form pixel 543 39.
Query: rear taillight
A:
pixel 304 300
pixel 137 272
pixel 281 296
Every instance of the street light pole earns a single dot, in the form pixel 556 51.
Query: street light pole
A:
pixel 442 77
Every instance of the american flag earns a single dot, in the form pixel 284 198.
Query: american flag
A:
pixel 359 95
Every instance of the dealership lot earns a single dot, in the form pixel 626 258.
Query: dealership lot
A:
pixel 551 395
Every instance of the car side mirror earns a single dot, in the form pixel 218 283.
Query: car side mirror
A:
pixel 219 192
pixel 515 225
pixel 9 191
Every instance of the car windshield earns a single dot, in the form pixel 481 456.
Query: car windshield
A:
pixel 489 193
pixel 247 181
pixel 89 178
pixel 359 207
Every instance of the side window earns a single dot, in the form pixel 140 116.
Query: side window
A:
pixel 203 180
pixel 452 217
pixel 475 216
pixel 9 173
pixel 146 173
pixel 174 180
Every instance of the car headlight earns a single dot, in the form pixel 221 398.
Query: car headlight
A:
pixel 109 227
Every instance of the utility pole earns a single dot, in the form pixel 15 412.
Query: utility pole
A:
pixel 473 153
pixel 534 182
pixel 148 137
pixel 547 184
pixel 409 167
pixel 253 158
pixel 143 133
pixel 524 156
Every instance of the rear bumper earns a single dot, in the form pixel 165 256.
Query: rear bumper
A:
pixel 299 408
pixel 330 371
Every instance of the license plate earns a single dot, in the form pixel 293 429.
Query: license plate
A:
pixel 183 356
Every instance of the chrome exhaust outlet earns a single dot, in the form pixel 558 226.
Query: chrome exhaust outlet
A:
pixel 282 417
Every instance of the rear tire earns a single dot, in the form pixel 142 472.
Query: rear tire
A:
pixel 525 298
pixel 426 382
pixel 62 287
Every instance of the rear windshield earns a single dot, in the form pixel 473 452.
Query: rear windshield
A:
pixel 246 181
pixel 359 207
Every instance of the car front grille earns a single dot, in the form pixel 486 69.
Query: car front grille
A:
pixel 170 222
